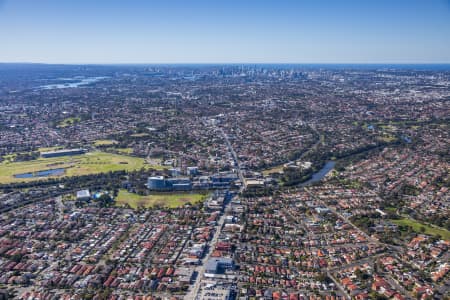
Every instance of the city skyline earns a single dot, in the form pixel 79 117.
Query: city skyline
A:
pixel 206 32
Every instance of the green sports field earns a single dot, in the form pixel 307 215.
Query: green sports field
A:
pixel 89 163
pixel 170 200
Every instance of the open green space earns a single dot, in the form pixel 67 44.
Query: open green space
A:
pixel 390 209
pixel 68 122
pixel 48 149
pixel 104 142
pixel 89 163
pixel 275 169
pixel 417 227
pixel 139 134
pixel 124 150
pixel 387 138
pixel 170 200
pixel 9 157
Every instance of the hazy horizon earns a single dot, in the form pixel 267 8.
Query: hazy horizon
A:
pixel 233 64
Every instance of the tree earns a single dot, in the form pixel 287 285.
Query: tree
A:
pixel 104 200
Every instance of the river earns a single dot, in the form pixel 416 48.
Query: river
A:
pixel 319 175
pixel 77 82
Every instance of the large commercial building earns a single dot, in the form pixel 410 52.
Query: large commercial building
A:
pixel 218 265
pixel 223 180
pixel 83 195
pixel 65 152
pixel 156 183
pixel 159 183
pixel 192 171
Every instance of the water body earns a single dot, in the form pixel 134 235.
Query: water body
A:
pixel 77 82
pixel 319 175
pixel 44 173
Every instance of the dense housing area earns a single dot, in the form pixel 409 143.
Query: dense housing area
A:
pixel 225 182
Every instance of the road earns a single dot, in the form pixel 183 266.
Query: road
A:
pixel 369 238
pixel 398 287
pixel 339 286
pixel 392 249
pixel 235 158
pixel 54 194
pixel 193 292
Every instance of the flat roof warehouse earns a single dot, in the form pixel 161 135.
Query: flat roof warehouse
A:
pixel 65 152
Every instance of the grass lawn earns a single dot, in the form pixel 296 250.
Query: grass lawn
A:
pixel 430 230
pixel 9 157
pixel 276 169
pixel 48 149
pixel 391 210
pixel 89 163
pixel 104 142
pixel 386 127
pixel 124 150
pixel 68 122
pixel 170 200
pixel 387 138
pixel 139 134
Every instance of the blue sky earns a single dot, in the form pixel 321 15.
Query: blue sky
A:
pixel 235 31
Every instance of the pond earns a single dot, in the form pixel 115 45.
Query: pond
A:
pixel 43 173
